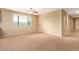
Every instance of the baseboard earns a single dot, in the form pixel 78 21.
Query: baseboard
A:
pixel 52 34
pixel 15 34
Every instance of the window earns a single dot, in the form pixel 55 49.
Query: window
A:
pixel 15 19
pixel 22 21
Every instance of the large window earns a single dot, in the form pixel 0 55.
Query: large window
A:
pixel 22 21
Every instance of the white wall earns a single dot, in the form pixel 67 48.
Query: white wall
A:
pixel 51 23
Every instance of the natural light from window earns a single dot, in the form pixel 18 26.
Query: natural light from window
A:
pixel 22 21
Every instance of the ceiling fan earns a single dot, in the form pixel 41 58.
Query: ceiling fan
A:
pixel 33 11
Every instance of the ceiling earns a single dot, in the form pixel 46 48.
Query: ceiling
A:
pixel 39 10
pixel 72 11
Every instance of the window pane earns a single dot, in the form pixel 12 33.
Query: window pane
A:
pixel 15 18
pixel 22 20
pixel 29 19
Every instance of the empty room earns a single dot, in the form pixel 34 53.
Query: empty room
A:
pixel 39 29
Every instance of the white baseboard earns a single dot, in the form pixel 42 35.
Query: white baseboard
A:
pixel 15 34
pixel 52 34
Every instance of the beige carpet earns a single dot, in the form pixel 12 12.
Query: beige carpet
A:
pixel 39 42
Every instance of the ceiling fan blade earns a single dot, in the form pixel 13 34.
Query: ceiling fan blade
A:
pixel 34 11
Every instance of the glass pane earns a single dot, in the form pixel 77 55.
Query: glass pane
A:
pixel 15 18
pixel 22 20
pixel 29 19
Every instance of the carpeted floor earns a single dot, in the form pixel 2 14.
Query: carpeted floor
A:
pixel 73 34
pixel 39 42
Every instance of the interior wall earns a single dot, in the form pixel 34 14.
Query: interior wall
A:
pixel 7 27
pixel 55 23
pixel 51 23
pixel 67 23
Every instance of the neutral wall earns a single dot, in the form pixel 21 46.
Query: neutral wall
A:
pixel 8 28
pixel 58 23
pixel 51 23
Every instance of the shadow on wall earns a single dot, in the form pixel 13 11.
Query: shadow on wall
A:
pixel 1 33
